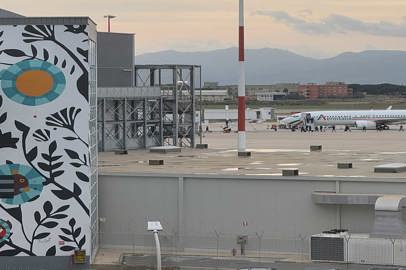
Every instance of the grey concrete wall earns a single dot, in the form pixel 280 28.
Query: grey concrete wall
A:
pixel 115 54
pixel 193 208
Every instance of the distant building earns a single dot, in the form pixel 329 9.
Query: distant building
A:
pixel 252 90
pixel 220 115
pixel 270 96
pixel 214 96
pixel 210 85
pixel 328 90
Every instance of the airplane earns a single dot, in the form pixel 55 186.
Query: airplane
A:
pixel 363 119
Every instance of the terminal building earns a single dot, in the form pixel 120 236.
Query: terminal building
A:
pixel 48 167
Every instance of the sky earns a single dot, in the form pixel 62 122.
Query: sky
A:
pixel 315 28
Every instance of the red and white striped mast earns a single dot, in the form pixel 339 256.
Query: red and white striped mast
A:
pixel 241 86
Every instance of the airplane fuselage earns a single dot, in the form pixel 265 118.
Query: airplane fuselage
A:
pixel 348 118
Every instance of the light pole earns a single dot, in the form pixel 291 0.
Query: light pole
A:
pixel 242 152
pixel 201 108
pixel 155 227
pixel 109 17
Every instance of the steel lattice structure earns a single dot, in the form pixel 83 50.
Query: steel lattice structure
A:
pixel 178 84
pixel 159 111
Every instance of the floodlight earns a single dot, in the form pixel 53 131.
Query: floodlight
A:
pixel 154 226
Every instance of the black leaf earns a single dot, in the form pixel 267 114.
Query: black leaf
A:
pixel 14 52
pixel 3 117
pixel 70 138
pixel 1 42
pixel 37 217
pixel 77 165
pixel 55 60
pixel 51 251
pixel 10 252
pixel 41 235
pixel 82 242
pixel 56 165
pixel 62 208
pixel 46 157
pixel 62 194
pixel 77 232
pixel 34 51
pixel 15 213
pixel 9 162
pixel 29 40
pixel 83 85
pixel 72 70
pixel 55 158
pixel 6 140
pixel 66 231
pixel 82 177
pixel 21 127
pixel 64 63
pixel 57 174
pixel 1 101
pixel 72 154
pixel 52 147
pixel 84 53
pixel 50 224
pixel 76 189
pixel 67 248
pixel 32 154
pixel 1 33
pixel 59 216
pixel 44 166
pixel 46 55
pixel 48 207
pixel 66 239
pixel 33 198
pixel 72 222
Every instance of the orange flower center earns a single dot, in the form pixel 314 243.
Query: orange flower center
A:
pixel 34 83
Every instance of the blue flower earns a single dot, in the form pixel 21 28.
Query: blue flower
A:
pixel 32 82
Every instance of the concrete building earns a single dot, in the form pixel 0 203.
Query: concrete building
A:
pixel 116 52
pixel 48 153
pixel 193 208
pixel 328 90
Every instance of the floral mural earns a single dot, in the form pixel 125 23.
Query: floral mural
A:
pixel 45 162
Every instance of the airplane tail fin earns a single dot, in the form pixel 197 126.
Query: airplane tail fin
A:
pixel 389 108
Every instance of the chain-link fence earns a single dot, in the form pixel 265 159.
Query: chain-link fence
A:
pixel 256 247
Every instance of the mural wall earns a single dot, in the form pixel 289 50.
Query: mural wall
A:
pixel 45 158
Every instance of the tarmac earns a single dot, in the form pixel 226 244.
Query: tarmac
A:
pixel 272 152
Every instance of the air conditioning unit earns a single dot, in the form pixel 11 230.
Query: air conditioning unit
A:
pixel 328 246
pixel 341 246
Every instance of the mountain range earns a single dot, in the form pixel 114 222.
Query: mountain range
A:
pixel 268 66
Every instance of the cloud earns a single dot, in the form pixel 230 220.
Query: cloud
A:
pixel 338 24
